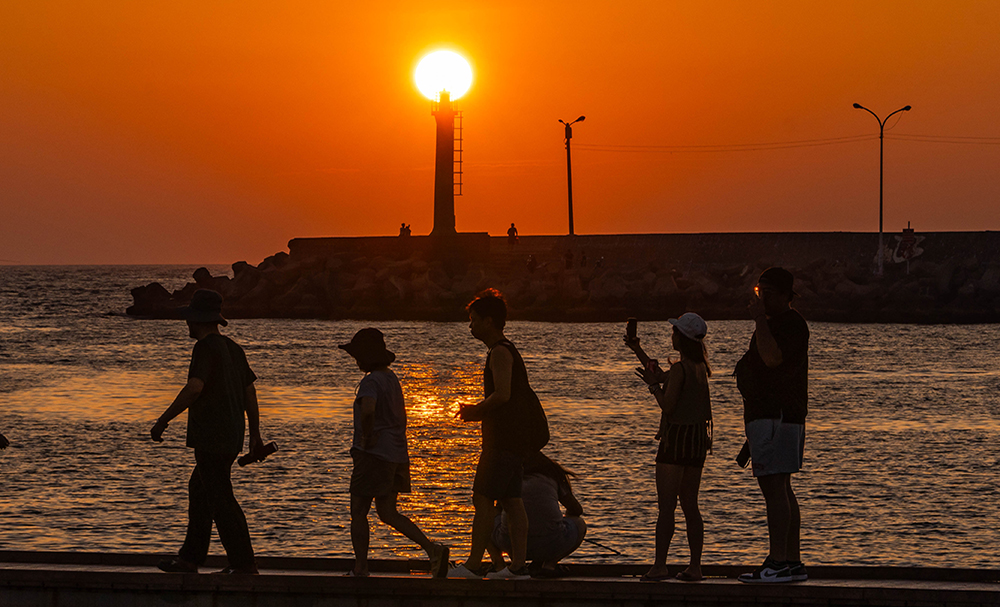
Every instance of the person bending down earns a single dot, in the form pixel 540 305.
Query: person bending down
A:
pixel 551 535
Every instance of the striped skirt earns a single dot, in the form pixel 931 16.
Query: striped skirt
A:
pixel 685 444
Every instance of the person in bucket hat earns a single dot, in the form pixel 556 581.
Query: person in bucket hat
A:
pixel 379 450
pixel 219 392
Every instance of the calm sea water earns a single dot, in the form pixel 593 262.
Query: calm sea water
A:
pixel 901 457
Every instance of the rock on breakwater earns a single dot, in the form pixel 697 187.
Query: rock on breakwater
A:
pixel 604 277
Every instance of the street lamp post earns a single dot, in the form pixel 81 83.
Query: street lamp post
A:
pixel 569 168
pixel 881 146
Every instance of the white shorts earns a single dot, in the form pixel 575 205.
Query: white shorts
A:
pixel 776 447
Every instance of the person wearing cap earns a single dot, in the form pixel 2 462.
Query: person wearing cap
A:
pixel 773 380
pixel 219 392
pixel 379 450
pixel 685 438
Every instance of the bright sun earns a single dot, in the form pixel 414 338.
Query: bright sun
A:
pixel 443 71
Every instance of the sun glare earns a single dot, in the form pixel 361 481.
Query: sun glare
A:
pixel 443 71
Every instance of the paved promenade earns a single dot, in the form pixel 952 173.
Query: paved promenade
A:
pixel 32 579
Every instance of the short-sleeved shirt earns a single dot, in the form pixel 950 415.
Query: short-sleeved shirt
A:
pixel 784 390
pixel 389 425
pixel 216 418
pixel 541 494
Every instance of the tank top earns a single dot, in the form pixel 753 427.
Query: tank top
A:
pixel 693 405
pixel 503 428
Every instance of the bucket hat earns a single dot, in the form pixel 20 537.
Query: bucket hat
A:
pixel 368 345
pixel 205 306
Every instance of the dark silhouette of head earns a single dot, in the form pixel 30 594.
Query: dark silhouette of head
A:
pixel 490 304
pixel 368 349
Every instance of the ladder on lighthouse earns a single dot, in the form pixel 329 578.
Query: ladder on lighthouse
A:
pixel 457 158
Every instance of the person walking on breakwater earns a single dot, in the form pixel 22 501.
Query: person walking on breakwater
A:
pixel 218 393
pixel 513 427
pixel 551 536
pixel 773 379
pixel 380 454
pixel 685 436
pixel 512 235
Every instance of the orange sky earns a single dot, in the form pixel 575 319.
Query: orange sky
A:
pixel 208 132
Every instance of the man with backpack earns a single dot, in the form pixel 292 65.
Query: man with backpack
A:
pixel 513 427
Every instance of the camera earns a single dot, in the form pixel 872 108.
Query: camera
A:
pixel 743 459
pixel 260 456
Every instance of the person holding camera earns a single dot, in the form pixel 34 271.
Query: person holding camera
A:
pixel 218 393
pixel 379 450
pixel 685 436
pixel 773 380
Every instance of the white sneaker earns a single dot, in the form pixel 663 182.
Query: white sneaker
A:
pixel 507 574
pixel 462 572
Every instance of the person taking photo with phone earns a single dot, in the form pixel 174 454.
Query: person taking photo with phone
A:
pixel 684 435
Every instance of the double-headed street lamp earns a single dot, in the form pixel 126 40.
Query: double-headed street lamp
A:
pixel 881 146
pixel 569 168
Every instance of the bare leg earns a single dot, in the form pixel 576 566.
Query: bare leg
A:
pixel 385 505
pixel 482 528
pixel 690 484
pixel 517 520
pixel 668 481
pixel 794 524
pixel 360 535
pixel 776 489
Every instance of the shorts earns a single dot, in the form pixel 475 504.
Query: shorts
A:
pixel 376 477
pixel 551 546
pixel 499 474
pixel 684 444
pixel 776 447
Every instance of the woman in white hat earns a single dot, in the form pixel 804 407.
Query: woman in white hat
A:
pixel 685 436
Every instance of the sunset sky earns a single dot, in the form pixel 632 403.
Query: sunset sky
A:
pixel 209 132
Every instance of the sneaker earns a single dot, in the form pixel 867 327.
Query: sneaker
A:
pixel 770 572
pixel 462 572
pixel 439 560
pixel 798 571
pixel 510 574
pixel 177 565
pixel 230 570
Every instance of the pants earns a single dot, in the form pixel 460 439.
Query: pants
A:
pixel 210 498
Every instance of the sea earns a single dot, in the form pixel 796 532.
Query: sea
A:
pixel 901 452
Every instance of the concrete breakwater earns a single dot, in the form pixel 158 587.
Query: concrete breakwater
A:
pixel 948 277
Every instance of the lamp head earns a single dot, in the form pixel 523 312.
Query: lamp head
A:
pixel 906 109
pixel 580 119
pixel 857 106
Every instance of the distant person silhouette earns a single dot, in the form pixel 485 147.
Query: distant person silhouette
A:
pixel 218 392
pixel 512 234
pixel 404 230
pixel 551 536
pixel 773 380
pixel 380 454
pixel 513 427
pixel 4 443
pixel 583 260
pixel 685 436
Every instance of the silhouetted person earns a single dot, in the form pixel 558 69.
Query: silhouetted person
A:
pixel 404 230
pixel 4 443
pixel 531 264
pixel 512 234
pixel 380 454
pixel 685 437
pixel 509 435
pixel 551 536
pixel 773 379
pixel 569 259
pixel 583 260
pixel 218 393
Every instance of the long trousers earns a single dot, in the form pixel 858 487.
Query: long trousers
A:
pixel 210 498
